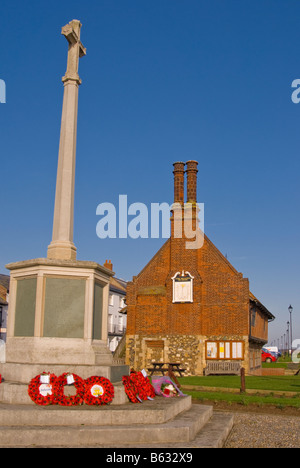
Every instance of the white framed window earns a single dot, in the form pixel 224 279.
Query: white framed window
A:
pixel 110 323
pixel 120 323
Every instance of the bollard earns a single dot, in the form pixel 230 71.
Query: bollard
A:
pixel 243 381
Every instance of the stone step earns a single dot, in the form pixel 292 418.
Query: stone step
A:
pixel 215 432
pixel 159 412
pixel 212 435
pixel 183 429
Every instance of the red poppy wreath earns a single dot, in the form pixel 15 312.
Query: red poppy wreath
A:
pixel 143 385
pixel 41 389
pixel 69 400
pixel 130 389
pixel 138 387
pixel 98 391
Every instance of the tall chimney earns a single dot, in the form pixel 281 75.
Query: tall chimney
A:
pixel 191 172
pixel 108 265
pixel 178 182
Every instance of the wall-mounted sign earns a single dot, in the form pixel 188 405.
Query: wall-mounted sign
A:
pixel 182 287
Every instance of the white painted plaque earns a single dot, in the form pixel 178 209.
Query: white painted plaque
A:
pixel 183 287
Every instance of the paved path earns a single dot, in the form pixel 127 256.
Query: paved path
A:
pixel 264 431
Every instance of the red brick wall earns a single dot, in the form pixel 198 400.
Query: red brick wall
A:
pixel 220 300
pixel 225 304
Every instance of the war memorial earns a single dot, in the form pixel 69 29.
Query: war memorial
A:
pixel 57 326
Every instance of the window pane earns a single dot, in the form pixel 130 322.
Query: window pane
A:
pixel 212 350
pixel 227 350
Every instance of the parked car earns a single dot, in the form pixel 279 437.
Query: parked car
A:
pixel 273 350
pixel 267 357
pixel 267 350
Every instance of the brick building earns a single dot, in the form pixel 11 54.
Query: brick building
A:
pixel 190 305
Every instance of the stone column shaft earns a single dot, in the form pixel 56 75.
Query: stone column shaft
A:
pixel 62 246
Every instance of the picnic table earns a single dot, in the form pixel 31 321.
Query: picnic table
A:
pixel 166 367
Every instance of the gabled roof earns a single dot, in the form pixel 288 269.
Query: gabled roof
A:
pixel 258 304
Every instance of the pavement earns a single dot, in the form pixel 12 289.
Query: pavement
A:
pixel 252 430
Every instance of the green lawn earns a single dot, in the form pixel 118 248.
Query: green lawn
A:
pixel 269 384
pixel 244 399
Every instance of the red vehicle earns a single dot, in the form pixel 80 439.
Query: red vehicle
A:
pixel 267 357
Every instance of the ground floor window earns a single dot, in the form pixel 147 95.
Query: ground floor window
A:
pixel 225 350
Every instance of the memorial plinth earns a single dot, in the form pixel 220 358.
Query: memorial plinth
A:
pixel 60 307
pixel 58 320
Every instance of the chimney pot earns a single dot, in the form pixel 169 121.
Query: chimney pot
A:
pixel 108 265
pixel 178 182
pixel 191 172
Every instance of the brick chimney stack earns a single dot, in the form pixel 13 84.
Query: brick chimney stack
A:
pixel 178 182
pixel 191 173
pixel 108 265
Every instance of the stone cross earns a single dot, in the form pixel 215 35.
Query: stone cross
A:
pixel 62 246
pixel 72 33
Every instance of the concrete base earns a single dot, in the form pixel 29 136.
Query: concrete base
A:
pixel 165 423
pixel 59 250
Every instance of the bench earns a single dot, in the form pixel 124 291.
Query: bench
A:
pixel 172 367
pixel 152 370
pixel 223 368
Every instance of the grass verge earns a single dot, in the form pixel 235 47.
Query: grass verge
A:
pixel 266 387
pixel 245 400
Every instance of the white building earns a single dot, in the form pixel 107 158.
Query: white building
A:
pixel 4 298
pixel 117 313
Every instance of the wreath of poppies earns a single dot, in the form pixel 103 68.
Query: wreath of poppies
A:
pixel 138 387
pixel 130 389
pixel 69 400
pixel 47 389
pixel 41 389
pixel 98 391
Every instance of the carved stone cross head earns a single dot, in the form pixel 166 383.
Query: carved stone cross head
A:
pixel 72 33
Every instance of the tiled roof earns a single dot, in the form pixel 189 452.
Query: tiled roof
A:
pixel 4 281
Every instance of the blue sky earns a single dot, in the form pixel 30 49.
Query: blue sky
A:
pixel 162 81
